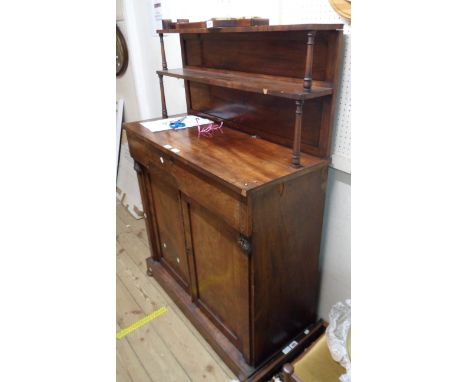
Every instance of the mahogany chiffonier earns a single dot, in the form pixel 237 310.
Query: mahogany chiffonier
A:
pixel 234 220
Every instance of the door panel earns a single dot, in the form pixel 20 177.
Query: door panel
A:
pixel 222 271
pixel 170 228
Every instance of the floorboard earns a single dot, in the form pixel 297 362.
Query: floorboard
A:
pixel 129 366
pixel 168 348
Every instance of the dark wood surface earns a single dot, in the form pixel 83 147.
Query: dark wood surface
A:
pixel 220 343
pixel 236 227
pixel 309 60
pixel 267 117
pixel 260 28
pixel 222 275
pixel 242 78
pixel 286 260
pixel 263 84
pixel 240 162
pixel 207 254
pixel 170 229
pixel 221 23
pixel 280 54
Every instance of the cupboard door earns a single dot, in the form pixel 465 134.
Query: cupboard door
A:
pixel 168 214
pixel 222 272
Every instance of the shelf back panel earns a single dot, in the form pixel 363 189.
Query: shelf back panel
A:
pixel 273 53
pixel 265 116
pixel 282 54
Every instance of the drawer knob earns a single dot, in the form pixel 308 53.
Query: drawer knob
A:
pixel 161 159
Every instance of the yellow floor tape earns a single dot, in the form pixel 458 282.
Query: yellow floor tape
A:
pixel 141 322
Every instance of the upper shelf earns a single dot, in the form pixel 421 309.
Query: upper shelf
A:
pixel 259 28
pixel 257 83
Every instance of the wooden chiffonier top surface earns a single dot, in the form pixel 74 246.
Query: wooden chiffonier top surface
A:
pixel 257 28
pixel 236 159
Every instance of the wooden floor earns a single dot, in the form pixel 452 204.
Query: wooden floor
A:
pixel 168 348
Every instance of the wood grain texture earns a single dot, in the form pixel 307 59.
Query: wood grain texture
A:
pixel 134 272
pixel 170 229
pixel 220 343
pixel 151 227
pixel 163 96
pixel 152 351
pixel 262 84
pixel 281 54
pixel 221 70
pixel 287 226
pixel 129 366
pixel 192 352
pixel 222 276
pixel 163 51
pixel 228 205
pixel 189 353
pixel 253 114
pixel 238 161
pixel 242 223
pixel 309 61
pixel 262 28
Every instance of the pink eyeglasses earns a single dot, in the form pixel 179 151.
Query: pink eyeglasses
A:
pixel 210 129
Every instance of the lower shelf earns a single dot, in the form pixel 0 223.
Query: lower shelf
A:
pixel 225 349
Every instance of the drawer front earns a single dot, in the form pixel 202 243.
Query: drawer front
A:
pixel 231 208
pixel 146 155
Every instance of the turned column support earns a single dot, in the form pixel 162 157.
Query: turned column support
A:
pixel 309 61
pixel 296 157
pixel 163 96
pixel 163 51
pixel 161 84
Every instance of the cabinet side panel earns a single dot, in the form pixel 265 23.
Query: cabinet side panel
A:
pixel 287 224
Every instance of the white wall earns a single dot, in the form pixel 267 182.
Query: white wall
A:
pixel 336 242
pixel 125 84
pixel 128 192
pixel 336 252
